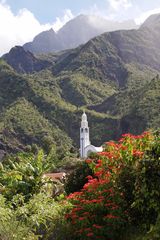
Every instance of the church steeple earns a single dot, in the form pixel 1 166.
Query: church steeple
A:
pixel 84 122
pixel 84 135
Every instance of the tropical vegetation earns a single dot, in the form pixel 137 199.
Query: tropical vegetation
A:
pixel 118 199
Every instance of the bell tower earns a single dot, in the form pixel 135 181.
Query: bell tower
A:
pixel 84 135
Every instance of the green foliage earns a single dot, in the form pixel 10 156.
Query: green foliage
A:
pixel 81 90
pixel 25 119
pixel 147 192
pixel 139 182
pixel 26 202
pixel 10 226
pixel 40 218
pixel 154 232
pixel 77 178
pixel 22 174
pixel 44 216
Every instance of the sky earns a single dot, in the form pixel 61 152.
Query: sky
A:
pixel 21 20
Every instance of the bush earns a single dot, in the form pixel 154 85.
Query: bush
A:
pixel 10 226
pixel 124 192
pixel 76 180
pixel 41 217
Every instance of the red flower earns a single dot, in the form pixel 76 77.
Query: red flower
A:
pixel 88 161
pixel 98 165
pixel 99 161
pixel 127 135
pixel 99 173
pixel 86 213
pixel 89 234
pixel 89 177
pixel 81 218
pixel 97 226
pixel 87 229
pixel 110 216
pixel 137 153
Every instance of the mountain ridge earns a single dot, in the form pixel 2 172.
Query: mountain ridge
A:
pixel 73 33
pixel 116 84
pixel 24 61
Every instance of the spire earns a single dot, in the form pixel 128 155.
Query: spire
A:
pixel 84 122
pixel 84 116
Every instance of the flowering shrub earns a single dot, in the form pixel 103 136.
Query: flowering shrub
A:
pixel 97 212
pixel 101 209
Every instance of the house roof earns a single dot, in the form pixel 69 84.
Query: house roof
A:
pixel 55 176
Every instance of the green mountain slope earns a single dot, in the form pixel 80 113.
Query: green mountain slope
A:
pixel 114 77
pixel 105 57
pixel 128 105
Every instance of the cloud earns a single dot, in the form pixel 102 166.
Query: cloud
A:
pixel 120 4
pixel 21 28
pixel 93 10
pixel 61 21
pixel 114 10
pixel 143 16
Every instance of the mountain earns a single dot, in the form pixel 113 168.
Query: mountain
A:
pixel 24 61
pixel 114 76
pixel 107 56
pixel 152 22
pixel 74 33
pixel 44 42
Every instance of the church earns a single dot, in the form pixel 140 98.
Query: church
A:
pixel 85 145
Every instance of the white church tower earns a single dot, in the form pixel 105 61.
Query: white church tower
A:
pixel 84 135
pixel 85 146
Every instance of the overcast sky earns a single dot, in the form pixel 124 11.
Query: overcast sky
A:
pixel 21 20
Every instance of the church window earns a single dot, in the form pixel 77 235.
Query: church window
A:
pixel 86 130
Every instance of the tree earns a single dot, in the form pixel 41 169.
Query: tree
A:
pixel 22 174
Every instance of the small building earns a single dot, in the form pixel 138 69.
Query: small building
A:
pixel 60 176
pixel 85 145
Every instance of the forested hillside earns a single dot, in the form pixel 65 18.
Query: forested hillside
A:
pixel 114 76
